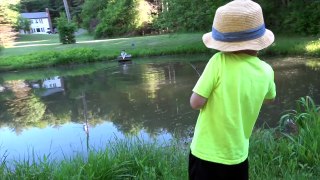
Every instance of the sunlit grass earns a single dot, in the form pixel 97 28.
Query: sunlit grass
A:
pixel 291 45
pixel 313 47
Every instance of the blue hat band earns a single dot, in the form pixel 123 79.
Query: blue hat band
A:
pixel 239 36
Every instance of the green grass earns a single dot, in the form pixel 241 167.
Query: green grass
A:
pixel 31 51
pixel 274 154
pixel 294 45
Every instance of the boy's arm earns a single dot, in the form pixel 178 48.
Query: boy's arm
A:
pixel 268 101
pixel 197 101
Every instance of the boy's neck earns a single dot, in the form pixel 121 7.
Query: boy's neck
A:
pixel 249 52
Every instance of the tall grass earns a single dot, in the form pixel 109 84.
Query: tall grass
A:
pixel 125 159
pixel 274 154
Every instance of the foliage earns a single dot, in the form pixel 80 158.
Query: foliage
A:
pixel 23 23
pixel 117 19
pixel 89 13
pixel 55 7
pixel 8 17
pixel 295 17
pixel 66 30
pixel 32 5
pixel 113 18
pixel 187 16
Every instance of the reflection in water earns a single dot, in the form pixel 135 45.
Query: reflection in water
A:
pixel 149 100
pixel 86 123
pixel 152 79
pixel 23 110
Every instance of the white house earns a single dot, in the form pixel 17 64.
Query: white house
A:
pixel 52 85
pixel 52 82
pixel 40 22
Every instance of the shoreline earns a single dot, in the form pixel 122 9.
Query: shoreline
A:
pixel 86 50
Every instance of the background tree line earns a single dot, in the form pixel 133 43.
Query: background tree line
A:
pixel 110 18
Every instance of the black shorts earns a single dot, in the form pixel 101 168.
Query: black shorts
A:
pixel 201 170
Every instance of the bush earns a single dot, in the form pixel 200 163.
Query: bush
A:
pixel 50 58
pixel 66 30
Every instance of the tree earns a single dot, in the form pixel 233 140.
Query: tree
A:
pixel 66 30
pixel 33 5
pixel 115 19
pixel 24 24
pixel 7 19
pixel 75 9
pixel 89 13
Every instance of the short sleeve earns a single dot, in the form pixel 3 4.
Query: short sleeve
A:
pixel 271 94
pixel 208 80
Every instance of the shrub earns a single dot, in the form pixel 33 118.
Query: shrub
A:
pixel 50 58
pixel 66 30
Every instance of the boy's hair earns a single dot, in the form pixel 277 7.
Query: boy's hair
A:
pixel 238 25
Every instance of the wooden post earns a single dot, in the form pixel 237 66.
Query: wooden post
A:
pixel 67 10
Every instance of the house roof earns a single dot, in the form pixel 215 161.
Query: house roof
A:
pixel 34 15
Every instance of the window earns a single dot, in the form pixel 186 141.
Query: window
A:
pixel 42 29
pixel 40 21
pixel 36 20
pixel 38 29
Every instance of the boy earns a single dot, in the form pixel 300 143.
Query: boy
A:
pixel 230 92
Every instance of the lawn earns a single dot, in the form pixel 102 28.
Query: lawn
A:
pixel 27 44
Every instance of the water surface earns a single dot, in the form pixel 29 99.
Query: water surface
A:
pixel 66 110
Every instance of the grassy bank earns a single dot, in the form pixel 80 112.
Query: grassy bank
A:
pixel 124 159
pixel 291 151
pixel 31 51
pixel 274 154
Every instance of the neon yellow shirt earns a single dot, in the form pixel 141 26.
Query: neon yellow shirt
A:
pixel 235 86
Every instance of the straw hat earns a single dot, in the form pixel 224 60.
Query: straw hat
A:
pixel 238 25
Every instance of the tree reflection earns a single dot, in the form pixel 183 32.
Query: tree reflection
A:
pixel 153 98
pixel 24 110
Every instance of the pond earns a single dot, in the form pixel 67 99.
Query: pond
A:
pixel 66 110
